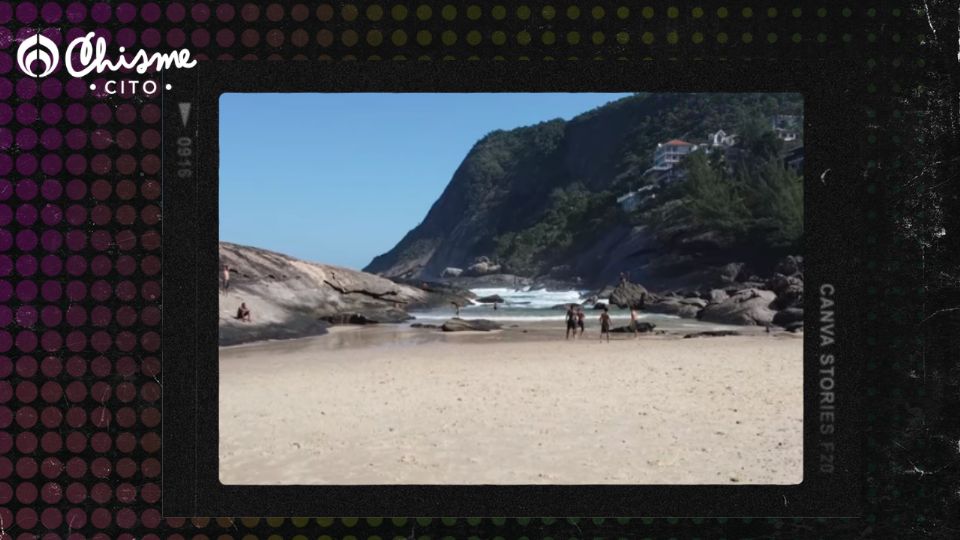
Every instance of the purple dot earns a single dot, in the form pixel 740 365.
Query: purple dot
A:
pixel 51 12
pixel 51 189
pixel 6 12
pixel 76 138
pixel 27 113
pixel 6 113
pixel 6 291
pixel 26 291
pixel 52 290
pixel 126 37
pixel 6 138
pixel 27 316
pixel 150 12
pixel 26 189
pixel 6 63
pixel 76 240
pixel 76 113
pixel 51 240
pixel 51 164
pixel 76 290
pixel 6 266
pixel 76 189
pixel 51 88
pixel 176 12
pixel 26 139
pixel 26 240
pixel 150 37
pixel 51 215
pixel 6 315
pixel 27 265
pixel 76 88
pixel 51 316
pixel 76 164
pixel 51 113
pixel 26 12
pixel 26 215
pixel 100 12
pixel 51 266
pixel 6 188
pixel 76 12
pixel 51 139
pixel 6 88
pixel 126 12
pixel 100 113
pixel 200 37
pixel 6 240
pixel 26 164
pixel 26 88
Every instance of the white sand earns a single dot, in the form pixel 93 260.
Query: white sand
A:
pixel 464 409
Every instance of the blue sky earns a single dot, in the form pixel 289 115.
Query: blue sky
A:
pixel 340 178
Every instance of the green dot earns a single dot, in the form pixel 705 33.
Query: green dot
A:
pixel 374 12
pixel 548 38
pixel 871 37
pixel 573 38
pixel 573 12
pixel 746 13
pixel 821 37
pixel 499 12
pixel 796 12
pixel 797 38
pixel 598 38
pixel 846 12
pixel 597 12
pixel 822 12
pixel 474 12
pixel 747 37
pixel 722 37
pixel 474 37
pixel 548 12
pixel 424 37
pixel 772 12
pixel 771 37
pixel 523 13
pixel 399 37
pixel 871 12
pixel 523 38
pixel 623 12
pixel 647 37
pixel 672 37
pixel 673 12
pixel 647 12
pixel 847 38
pixel 398 12
pixel 697 37
pixel 722 12
pixel 374 37
pixel 697 12
pixel 498 38
pixel 896 12
pixel 623 38
pixel 448 12
pixel 449 37
pixel 424 12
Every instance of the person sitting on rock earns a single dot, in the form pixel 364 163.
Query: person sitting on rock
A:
pixel 243 312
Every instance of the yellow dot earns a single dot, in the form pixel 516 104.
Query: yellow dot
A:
pixel 523 13
pixel 772 37
pixel 623 38
pixel 449 12
pixel 598 38
pixel 474 12
pixel 647 12
pixel 398 12
pixel 747 37
pixel 498 38
pixel 573 12
pixel 747 13
pixel 424 37
pixel 374 37
pixel 597 12
pixel 448 37
pixel 697 37
pixel 349 38
pixel 399 37
pixel 474 37
pixel 523 38
pixel 771 12
pixel 573 38
pixel 548 12
pixel 548 38
pixel 499 12
pixel 722 37
pixel 623 12
pixel 722 12
pixel 374 12
pixel 673 12
pixel 424 12
pixel 697 12
pixel 672 37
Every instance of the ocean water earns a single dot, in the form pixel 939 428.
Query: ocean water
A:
pixel 537 306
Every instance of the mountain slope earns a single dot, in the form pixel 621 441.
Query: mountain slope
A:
pixel 541 199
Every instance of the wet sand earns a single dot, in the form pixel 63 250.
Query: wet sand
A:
pixel 392 405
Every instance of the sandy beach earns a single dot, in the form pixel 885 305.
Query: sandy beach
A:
pixel 393 405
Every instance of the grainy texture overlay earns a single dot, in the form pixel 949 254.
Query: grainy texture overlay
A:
pixel 80 242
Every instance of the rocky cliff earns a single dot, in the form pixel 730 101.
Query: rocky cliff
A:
pixel 541 201
pixel 290 298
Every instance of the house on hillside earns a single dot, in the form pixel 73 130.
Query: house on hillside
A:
pixel 786 126
pixel 720 139
pixel 670 153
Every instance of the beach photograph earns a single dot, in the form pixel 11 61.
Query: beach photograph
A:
pixel 511 288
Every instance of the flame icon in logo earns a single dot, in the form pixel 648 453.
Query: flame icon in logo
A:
pixel 38 48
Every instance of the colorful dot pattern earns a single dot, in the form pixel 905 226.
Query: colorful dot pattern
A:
pixel 80 243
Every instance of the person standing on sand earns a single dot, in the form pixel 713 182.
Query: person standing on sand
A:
pixel 581 316
pixel 634 322
pixel 226 277
pixel 571 321
pixel 605 325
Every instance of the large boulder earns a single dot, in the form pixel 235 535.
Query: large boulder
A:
pixel 457 324
pixel 482 269
pixel 732 272
pixel 715 296
pixel 789 290
pixel 688 308
pixel 629 295
pixel 790 265
pixel 746 307
pixel 451 271
pixel 642 327
pixel 492 299
pixel 788 316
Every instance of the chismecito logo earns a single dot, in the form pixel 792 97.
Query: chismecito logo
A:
pixel 38 56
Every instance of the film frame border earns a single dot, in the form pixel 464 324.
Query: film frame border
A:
pixel 191 226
